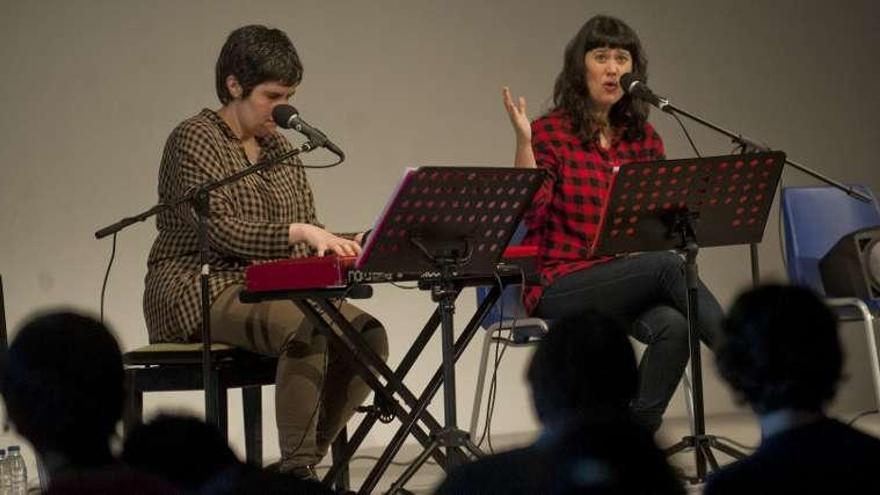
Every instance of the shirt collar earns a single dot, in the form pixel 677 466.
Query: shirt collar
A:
pixel 217 120
pixel 271 144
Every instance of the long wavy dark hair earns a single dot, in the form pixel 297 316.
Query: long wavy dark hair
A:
pixel 570 93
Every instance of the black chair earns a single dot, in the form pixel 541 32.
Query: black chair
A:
pixel 178 367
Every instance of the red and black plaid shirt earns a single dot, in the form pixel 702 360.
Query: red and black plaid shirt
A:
pixel 565 212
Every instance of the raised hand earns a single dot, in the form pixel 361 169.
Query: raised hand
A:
pixel 524 156
pixel 518 117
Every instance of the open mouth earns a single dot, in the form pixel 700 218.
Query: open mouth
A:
pixel 610 86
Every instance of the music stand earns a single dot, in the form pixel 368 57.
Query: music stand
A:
pixel 682 205
pixel 447 223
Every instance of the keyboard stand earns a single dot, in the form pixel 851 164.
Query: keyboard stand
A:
pixel 319 308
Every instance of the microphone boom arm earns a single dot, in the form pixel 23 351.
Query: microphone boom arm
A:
pixel 205 188
pixel 748 143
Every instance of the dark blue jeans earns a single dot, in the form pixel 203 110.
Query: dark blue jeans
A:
pixel 647 294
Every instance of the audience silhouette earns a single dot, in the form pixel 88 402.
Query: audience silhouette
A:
pixel 62 382
pixel 781 355
pixel 583 378
pixel 196 458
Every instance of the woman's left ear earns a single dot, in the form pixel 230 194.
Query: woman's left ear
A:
pixel 233 86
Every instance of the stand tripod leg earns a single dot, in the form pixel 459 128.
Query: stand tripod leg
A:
pixel 703 446
pixel 716 443
pixel 337 469
pixel 707 453
pixel 414 467
pixel 472 448
pixel 682 445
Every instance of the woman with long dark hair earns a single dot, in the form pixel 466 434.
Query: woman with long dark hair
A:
pixel 592 128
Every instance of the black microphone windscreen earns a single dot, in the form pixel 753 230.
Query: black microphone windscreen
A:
pixel 282 114
pixel 627 80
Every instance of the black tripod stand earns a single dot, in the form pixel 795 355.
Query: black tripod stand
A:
pixel 721 201
pixel 451 437
pixel 702 443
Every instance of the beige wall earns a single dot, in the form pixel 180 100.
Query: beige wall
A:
pixel 91 89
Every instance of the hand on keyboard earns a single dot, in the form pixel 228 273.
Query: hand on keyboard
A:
pixel 322 241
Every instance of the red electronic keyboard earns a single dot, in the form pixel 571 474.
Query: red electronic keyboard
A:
pixel 332 271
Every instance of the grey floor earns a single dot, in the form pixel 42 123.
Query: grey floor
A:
pixel 736 429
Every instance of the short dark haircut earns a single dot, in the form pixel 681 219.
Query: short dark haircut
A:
pixel 63 383
pixel 256 54
pixel 584 364
pixel 570 92
pixel 780 349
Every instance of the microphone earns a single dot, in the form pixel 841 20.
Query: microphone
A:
pixel 633 85
pixel 287 117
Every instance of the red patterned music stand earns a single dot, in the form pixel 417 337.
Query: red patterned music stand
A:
pixel 471 211
pixel 731 195
pixel 448 222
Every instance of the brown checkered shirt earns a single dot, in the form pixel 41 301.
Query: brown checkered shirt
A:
pixel 248 221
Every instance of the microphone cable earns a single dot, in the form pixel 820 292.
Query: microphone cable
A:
pixel 687 135
pixel 303 165
pixel 107 276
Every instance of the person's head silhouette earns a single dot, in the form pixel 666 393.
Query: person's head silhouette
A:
pixel 781 350
pixel 63 386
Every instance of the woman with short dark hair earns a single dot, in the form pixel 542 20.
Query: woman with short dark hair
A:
pixel 265 216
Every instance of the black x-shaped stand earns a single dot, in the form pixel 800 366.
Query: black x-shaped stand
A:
pixel 318 306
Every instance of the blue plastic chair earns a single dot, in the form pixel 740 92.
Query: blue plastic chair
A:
pixel 815 218
pixel 507 323
pixel 523 332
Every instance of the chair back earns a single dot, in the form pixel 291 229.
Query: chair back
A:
pixel 509 306
pixel 815 218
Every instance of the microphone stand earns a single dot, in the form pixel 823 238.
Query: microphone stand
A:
pixel 198 198
pixel 749 145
